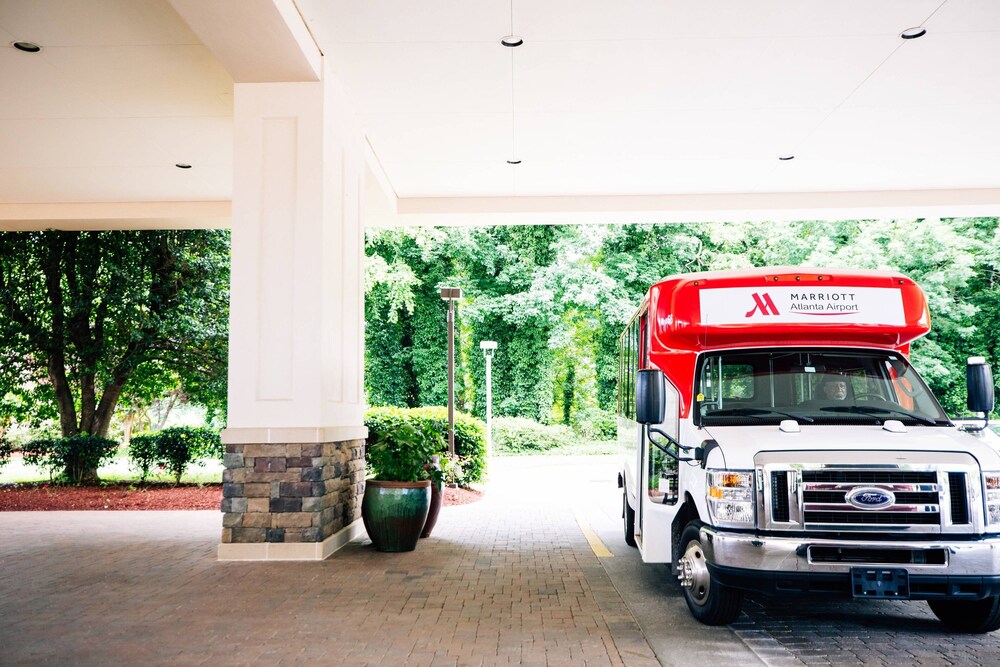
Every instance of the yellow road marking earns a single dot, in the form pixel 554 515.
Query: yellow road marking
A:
pixel 596 545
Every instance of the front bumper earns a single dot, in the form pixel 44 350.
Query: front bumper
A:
pixel 959 569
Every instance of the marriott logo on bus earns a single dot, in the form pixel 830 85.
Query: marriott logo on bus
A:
pixel 764 304
pixel 808 303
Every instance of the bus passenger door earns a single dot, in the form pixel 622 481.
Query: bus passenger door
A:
pixel 658 502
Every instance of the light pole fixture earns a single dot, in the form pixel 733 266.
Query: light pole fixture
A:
pixel 489 347
pixel 451 294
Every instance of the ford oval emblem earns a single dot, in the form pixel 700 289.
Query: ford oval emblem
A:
pixel 870 498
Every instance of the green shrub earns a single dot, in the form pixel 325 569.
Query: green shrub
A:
pixel 5 452
pixel 517 435
pixel 76 456
pixel 174 448
pixel 404 453
pixel 597 424
pixel 142 453
pixel 470 435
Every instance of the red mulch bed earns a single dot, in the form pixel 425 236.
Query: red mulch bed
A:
pixel 34 497
pixel 461 496
pixel 52 497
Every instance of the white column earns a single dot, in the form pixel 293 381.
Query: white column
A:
pixel 297 306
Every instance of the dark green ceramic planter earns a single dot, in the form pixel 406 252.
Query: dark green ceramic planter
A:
pixel 395 513
pixel 437 496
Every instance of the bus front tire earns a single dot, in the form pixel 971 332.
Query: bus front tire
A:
pixel 974 616
pixel 710 602
pixel 629 514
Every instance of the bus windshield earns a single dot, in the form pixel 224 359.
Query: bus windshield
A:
pixel 812 386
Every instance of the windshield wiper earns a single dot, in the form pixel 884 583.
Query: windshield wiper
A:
pixel 874 412
pixel 755 412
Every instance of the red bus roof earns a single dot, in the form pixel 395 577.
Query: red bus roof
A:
pixel 786 306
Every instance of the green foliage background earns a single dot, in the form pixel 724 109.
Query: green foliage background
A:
pixel 173 449
pixel 470 435
pixel 109 317
pixel 556 299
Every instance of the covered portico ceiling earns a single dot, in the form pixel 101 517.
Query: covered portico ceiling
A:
pixel 633 110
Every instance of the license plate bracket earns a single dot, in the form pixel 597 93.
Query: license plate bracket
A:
pixel 888 584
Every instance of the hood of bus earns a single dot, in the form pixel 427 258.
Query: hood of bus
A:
pixel 739 444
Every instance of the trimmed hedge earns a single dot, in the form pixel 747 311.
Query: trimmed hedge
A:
pixel 597 424
pixel 174 448
pixel 470 433
pixel 517 435
pixel 142 453
pixel 5 451
pixel 75 456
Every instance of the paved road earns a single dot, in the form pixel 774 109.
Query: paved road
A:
pixel 509 580
pixel 803 631
pixel 588 487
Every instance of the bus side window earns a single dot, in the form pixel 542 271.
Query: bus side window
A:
pixel 662 470
pixel 644 341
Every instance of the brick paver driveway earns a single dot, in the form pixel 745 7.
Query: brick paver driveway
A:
pixel 500 582
pixel 509 580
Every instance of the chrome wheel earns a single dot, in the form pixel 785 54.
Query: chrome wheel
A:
pixel 710 602
pixel 693 574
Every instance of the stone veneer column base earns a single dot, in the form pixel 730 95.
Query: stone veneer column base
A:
pixel 292 551
pixel 290 501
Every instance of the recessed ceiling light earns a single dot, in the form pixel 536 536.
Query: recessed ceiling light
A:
pixel 913 33
pixel 513 162
pixel 27 47
pixel 511 41
pixel 182 165
pixel 786 158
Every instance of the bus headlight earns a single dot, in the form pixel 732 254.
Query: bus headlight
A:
pixel 991 487
pixel 731 499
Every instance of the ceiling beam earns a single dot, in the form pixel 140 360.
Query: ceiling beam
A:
pixel 115 215
pixel 255 40
pixel 736 207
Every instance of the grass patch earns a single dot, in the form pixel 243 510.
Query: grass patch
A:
pixel 578 448
pixel 118 470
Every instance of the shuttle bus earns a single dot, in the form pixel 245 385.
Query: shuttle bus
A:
pixel 776 438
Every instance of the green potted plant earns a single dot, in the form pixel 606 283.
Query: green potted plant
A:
pixel 397 498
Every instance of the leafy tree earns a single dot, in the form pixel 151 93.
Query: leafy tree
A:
pixel 389 304
pixel 85 313
pixel 557 298
pixel 514 304
pixel 406 332
pixel 634 257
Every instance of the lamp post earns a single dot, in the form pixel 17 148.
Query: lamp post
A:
pixel 451 294
pixel 489 347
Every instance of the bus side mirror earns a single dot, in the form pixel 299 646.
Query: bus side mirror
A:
pixel 650 396
pixel 979 381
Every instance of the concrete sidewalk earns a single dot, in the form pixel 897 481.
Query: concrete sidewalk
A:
pixel 509 580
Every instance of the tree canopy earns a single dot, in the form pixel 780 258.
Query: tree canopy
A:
pixel 90 318
pixel 557 298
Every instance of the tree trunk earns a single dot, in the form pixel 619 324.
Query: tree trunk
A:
pixel 64 396
pixel 128 422
pixel 97 422
pixel 161 420
pixel 88 405
pixel 106 408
